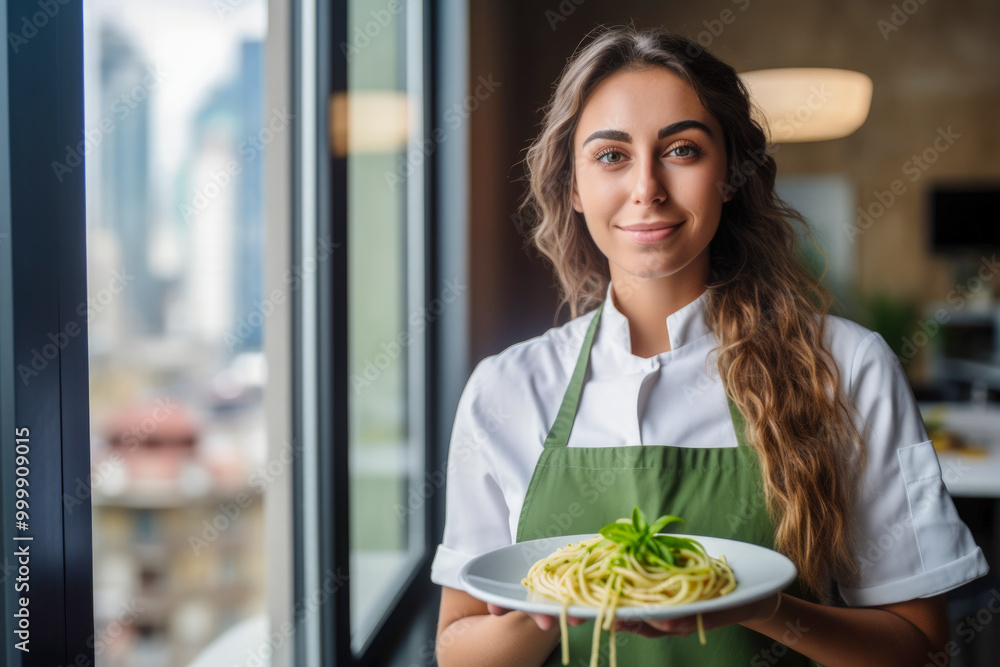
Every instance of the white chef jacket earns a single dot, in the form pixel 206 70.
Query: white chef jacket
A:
pixel 911 541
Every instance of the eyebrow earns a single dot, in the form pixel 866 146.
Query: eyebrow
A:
pixel 673 128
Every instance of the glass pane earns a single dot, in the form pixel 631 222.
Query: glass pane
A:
pixel 176 129
pixel 385 299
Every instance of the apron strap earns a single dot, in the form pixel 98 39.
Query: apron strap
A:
pixel 739 422
pixel 559 433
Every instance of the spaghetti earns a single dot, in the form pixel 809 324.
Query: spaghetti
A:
pixel 628 565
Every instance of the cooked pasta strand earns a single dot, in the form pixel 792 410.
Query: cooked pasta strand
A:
pixel 598 572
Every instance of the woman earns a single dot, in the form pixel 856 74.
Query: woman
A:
pixel 752 414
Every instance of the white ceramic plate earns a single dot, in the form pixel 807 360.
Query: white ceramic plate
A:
pixel 495 577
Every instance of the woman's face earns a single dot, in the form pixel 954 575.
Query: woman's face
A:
pixel 649 170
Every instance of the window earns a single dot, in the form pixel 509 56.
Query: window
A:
pixel 366 392
pixel 386 317
pixel 229 348
pixel 177 130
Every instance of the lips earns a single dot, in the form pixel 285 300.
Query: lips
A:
pixel 646 233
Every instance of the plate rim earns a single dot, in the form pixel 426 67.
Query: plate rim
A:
pixel 654 612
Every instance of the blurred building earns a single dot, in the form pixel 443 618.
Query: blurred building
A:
pixel 178 537
pixel 127 83
pixel 220 209
pixel 176 411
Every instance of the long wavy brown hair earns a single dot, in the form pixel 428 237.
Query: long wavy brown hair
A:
pixel 766 310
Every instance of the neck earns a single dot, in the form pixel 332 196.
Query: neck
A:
pixel 647 302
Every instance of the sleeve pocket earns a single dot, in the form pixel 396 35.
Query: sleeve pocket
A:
pixel 919 462
pixel 941 534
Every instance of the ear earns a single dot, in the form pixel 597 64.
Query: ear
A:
pixel 577 203
pixel 728 191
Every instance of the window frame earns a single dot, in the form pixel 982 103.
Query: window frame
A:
pixel 42 287
pixel 309 399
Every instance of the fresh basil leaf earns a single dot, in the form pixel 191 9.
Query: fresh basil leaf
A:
pixel 617 524
pixel 672 542
pixel 664 552
pixel 662 522
pixel 639 520
pixel 617 532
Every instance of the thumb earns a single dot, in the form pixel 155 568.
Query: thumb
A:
pixel 496 610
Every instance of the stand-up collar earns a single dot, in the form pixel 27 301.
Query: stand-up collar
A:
pixel 684 326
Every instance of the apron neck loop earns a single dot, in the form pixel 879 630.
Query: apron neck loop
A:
pixel 559 433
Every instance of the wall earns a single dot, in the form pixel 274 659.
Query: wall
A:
pixel 939 68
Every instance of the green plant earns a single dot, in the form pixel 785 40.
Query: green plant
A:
pixel 893 317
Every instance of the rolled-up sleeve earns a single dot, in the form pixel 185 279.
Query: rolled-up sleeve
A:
pixel 476 513
pixel 910 540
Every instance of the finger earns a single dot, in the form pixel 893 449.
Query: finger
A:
pixel 674 626
pixel 646 630
pixel 544 622
pixel 496 610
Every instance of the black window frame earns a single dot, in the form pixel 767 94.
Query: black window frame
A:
pixel 406 632
pixel 43 297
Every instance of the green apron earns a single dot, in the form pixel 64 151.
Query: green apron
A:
pixel 718 491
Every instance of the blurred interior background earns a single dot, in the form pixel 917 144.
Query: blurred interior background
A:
pixel 905 209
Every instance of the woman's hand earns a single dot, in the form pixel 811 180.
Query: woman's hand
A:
pixel 673 627
pixel 544 621
pixel 685 625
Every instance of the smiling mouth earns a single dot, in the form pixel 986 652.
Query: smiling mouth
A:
pixel 651 233
pixel 651 227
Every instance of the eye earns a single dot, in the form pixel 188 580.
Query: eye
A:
pixel 609 151
pixel 686 151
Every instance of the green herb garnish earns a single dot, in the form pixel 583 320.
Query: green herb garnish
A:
pixel 640 539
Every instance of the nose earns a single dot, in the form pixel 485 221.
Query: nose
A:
pixel 649 187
